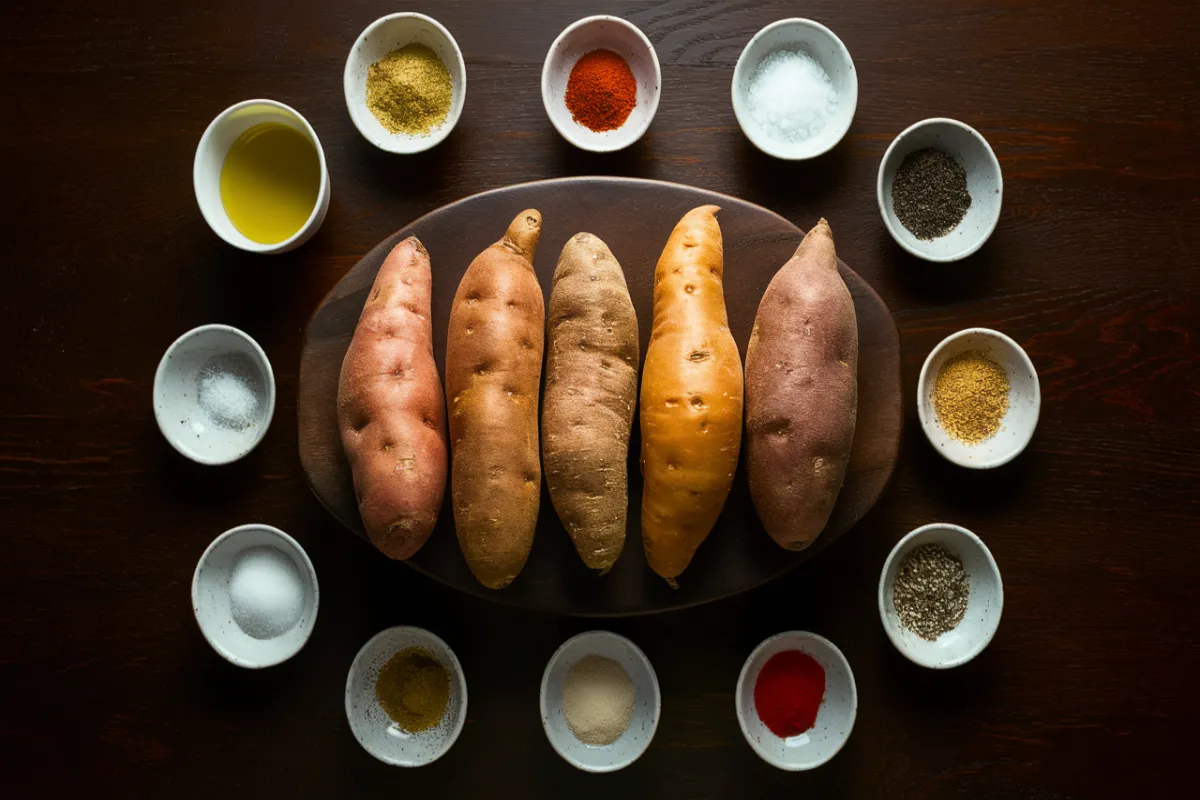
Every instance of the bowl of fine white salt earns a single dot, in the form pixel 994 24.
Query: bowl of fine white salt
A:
pixel 214 394
pixel 795 89
pixel 255 596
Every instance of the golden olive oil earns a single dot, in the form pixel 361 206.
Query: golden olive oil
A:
pixel 270 181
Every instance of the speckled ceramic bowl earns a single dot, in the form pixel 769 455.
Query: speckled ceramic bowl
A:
pixel 835 719
pixel 984 605
pixel 646 706
pixel 374 729
pixel 984 183
pixel 1024 400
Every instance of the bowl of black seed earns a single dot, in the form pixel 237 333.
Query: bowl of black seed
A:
pixel 940 189
pixel 940 596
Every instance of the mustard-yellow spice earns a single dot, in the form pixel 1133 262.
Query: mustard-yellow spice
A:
pixel 970 397
pixel 409 90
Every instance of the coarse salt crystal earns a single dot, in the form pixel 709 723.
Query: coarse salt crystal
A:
pixel 791 96
pixel 225 390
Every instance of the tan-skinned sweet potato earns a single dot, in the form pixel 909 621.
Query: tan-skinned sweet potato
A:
pixel 493 376
pixel 591 394
pixel 801 393
pixel 691 410
pixel 391 414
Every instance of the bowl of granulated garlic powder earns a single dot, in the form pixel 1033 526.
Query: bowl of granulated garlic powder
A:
pixel 600 701
pixel 978 398
pixel 405 83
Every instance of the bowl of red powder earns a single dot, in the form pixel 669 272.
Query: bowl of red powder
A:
pixel 796 700
pixel 600 83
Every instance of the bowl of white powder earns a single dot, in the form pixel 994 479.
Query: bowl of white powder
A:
pixel 214 394
pixel 600 701
pixel 255 596
pixel 795 89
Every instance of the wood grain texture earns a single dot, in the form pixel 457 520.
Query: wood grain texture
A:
pixel 635 218
pixel 1088 689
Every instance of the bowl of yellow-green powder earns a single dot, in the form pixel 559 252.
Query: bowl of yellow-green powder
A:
pixel 405 83
pixel 978 398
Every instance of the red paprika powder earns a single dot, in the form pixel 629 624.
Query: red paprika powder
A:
pixel 601 91
pixel 788 692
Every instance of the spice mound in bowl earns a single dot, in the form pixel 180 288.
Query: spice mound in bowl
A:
pixel 255 596
pixel 939 190
pixel 601 83
pixel 406 697
pixel 405 83
pixel 795 89
pixel 214 394
pixel 978 398
pixel 940 596
pixel 599 701
pixel 796 700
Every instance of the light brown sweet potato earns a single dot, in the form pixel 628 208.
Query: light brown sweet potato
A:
pixel 691 397
pixel 801 393
pixel 591 393
pixel 493 376
pixel 391 414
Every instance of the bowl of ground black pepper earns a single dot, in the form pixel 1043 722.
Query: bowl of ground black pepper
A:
pixel 978 398
pixel 601 83
pixel 406 697
pixel 940 596
pixel 940 189
pixel 405 83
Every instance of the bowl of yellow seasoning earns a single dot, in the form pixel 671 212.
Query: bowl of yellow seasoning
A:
pixel 260 177
pixel 406 697
pixel 978 398
pixel 405 83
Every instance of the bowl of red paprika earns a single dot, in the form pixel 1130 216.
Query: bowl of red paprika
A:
pixel 796 700
pixel 600 83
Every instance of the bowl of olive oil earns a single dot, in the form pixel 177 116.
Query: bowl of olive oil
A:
pixel 260 177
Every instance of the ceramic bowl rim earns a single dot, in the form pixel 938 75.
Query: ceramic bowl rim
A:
pixel 929 420
pixel 881 595
pixel 310 573
pixel 881 199
pixel 545 711
pixel 460 678
pixel 742 711
pixel 315 217
pixel 160 377
pixel 739 69
pixel 652 109
pixel 397 143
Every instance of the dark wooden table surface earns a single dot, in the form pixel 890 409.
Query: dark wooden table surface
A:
pixel 1088 689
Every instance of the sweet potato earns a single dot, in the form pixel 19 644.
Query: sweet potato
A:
pixel 691 397
pixel 493 374
pixel 591 393
pixel 801 393
pixel 391 414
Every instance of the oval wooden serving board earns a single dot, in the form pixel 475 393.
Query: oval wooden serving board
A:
pixel 634 217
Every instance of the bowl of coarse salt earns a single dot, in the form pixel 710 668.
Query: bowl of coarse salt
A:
pixel 600 701
pixel 255 596
pixel 214 394
pixel 795 89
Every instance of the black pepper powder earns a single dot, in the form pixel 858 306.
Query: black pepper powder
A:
pixel 929 193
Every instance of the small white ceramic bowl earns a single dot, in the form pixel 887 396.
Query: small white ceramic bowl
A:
pixel 221 133
pixel 823 46
pixel 647 702
pixel 184 421
pixel 374 729
pixel 212 605
pixel 1024 399
pixel 601 32
pixel 984 183
pixel 984 604
pixel 382 37
pixel 835 719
